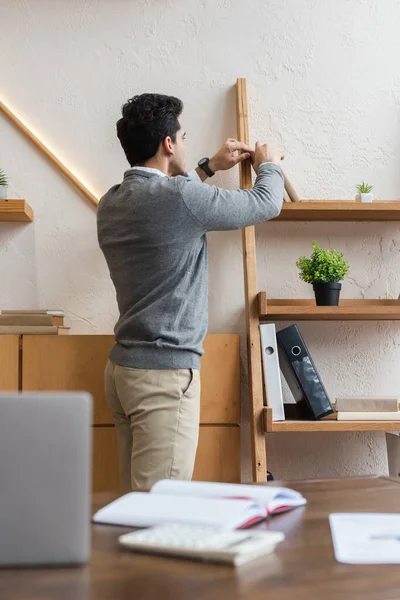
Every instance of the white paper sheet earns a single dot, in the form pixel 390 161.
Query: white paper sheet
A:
pixel 366 538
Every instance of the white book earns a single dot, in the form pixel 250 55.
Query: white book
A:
pixel 224 505
pixel 36 311
pixel 272 372
pixel 368 416
pixel 273 499
pixel 367 403
pixel 139 509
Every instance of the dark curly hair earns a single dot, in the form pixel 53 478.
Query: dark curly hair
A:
pixel 146 121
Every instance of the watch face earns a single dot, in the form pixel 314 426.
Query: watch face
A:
pixel 203 161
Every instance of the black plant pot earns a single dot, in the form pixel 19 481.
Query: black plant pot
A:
pixel 327 294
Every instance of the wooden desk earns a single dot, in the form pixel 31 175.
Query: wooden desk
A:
pixel 303 566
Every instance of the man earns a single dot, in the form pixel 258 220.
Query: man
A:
pixel 152 229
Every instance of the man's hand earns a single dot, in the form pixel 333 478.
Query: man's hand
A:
pixel 264 154
pixel 226 157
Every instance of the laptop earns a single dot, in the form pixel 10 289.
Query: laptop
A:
pixel 45 478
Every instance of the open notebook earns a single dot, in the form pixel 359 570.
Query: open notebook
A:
pixel 225 505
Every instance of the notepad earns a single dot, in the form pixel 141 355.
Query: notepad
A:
pixel 228 506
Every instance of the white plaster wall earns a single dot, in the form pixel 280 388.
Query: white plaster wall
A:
pixel 324 84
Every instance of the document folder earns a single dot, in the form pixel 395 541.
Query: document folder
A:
pixel 301 375
pixel 272 373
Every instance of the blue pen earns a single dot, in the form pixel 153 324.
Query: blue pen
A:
pixel 393 537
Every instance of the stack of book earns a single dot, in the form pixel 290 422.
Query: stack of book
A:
pixel 32 322
pixel 368 408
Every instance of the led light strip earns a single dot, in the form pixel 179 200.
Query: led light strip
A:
pixel 77 181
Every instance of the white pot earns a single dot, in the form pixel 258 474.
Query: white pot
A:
pixel 3 192
pixel 366 197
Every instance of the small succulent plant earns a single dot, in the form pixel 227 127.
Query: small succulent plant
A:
pixel 364 188
pixel 3 178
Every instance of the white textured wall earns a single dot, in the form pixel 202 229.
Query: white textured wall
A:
pixel 324 84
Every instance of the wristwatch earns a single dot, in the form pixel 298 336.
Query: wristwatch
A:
pixel 205 166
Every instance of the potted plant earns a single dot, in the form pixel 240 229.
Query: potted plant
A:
pixel 3 185
pixel 324 270
pixel 364 192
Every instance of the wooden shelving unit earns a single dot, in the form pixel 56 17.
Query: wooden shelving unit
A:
pixel 260 308
pixel 15 210
pixel 340 210
pixel 306 310
pixel 325 425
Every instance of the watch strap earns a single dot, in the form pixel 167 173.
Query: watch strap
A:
pixel 204 164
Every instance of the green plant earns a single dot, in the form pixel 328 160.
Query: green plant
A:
pixel 364 188
pixel 3 178
pixel 324 266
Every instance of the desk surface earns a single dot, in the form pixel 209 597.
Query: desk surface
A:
pixel 303 566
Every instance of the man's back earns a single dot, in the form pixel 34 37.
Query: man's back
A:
pixel 151 229
pixel 157 256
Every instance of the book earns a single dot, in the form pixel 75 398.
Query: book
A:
pixel 33 330
pixel 367 403
pixel 369 416
pixel 271 369
pixel 29 319
pixel 224 505
pixel 139 509
pixel 36 311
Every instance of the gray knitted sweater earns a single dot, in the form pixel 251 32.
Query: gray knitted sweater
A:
pixel 152 231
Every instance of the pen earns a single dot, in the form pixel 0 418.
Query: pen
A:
pixel 395 537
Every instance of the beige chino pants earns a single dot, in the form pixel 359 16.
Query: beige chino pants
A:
pixel 156 415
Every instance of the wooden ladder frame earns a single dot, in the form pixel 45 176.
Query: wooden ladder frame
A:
pixel 261 421
pixel 256 396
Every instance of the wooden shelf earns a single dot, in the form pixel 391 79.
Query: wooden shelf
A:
pixel 306 310
pixel 326 425
pixel 15 210
pixel 340 210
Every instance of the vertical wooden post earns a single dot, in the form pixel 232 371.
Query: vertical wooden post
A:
pixel 259 457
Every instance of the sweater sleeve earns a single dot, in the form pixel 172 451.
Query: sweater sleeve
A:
pixel 217 209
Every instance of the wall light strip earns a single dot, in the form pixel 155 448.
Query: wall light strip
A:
pixel 75 180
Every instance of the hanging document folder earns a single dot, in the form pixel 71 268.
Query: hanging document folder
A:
pixel 301 375
pixel 272 375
